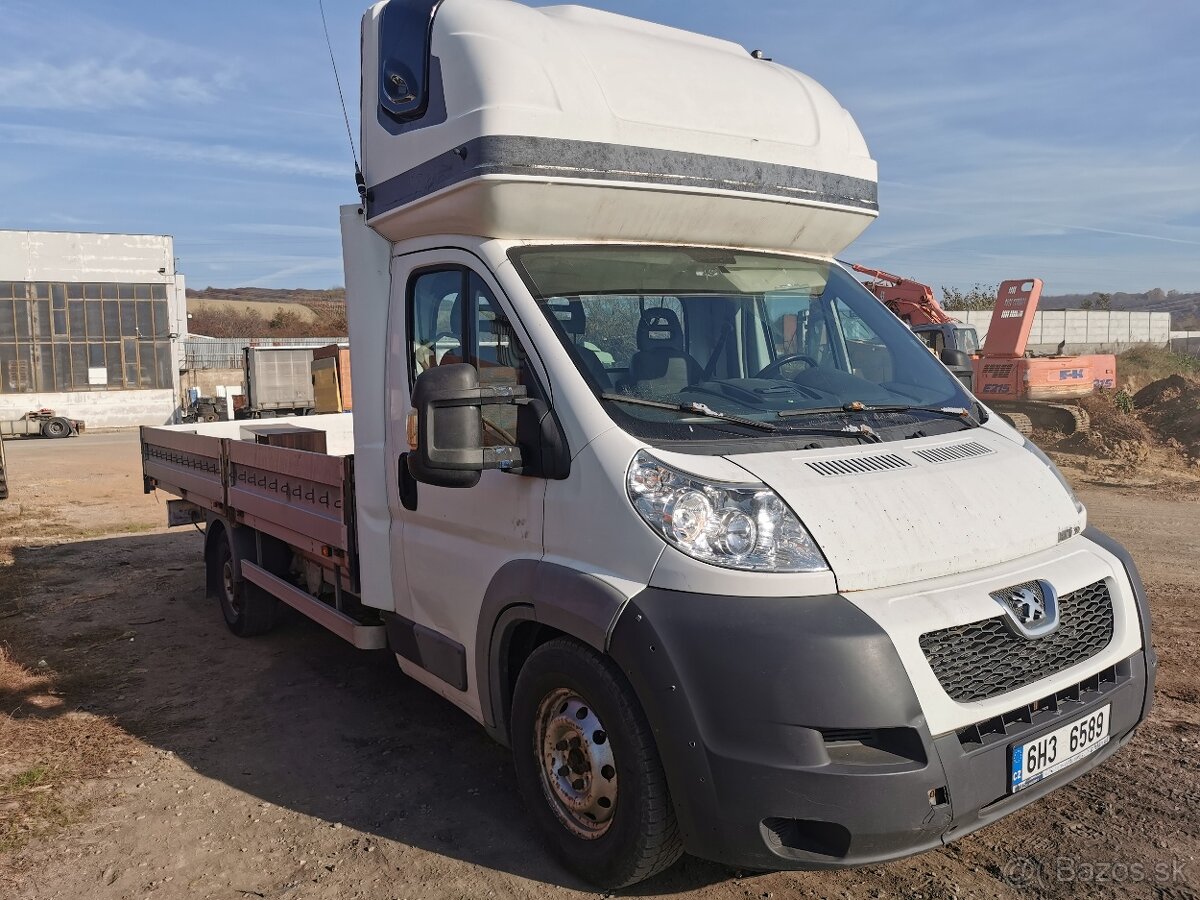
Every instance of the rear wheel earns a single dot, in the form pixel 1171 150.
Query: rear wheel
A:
pixel 248 610
pixel 57 427
pixel 588 768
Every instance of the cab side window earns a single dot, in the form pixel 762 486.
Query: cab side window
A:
pixel 453 317
pixel 434 321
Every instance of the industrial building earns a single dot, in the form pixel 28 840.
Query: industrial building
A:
pixel 90 326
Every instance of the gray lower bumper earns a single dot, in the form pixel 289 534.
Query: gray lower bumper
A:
pixel 791 736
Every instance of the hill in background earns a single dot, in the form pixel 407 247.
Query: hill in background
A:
pixel 267 312
pixel 270 295
pixel 236 312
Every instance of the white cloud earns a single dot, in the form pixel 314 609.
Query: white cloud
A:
pixel 61 58
pixel 93 86
pixel 274 229
pixel 185 152
pixel 1134 234
pixel 263 270
pixel 331 265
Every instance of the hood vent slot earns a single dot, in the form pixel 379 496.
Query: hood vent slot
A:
pixel 953 452
pixel 859 465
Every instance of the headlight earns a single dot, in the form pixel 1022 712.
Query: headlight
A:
pixel 738 526
pixel 1049 463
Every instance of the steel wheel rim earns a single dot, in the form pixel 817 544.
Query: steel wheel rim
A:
pixel 230 587
pixel 576 764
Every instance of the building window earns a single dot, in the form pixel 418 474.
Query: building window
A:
pixel 84 337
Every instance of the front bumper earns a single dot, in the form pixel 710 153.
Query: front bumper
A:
pixel 792 738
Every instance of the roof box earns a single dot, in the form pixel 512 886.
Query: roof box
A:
pixel 490 118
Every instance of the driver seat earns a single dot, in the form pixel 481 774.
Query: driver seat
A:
pixel 661 367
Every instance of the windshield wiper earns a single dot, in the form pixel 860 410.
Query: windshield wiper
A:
pixel 856 432
pixel 950 412
pixel 698 408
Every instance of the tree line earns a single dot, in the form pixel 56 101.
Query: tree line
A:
pixel 221 321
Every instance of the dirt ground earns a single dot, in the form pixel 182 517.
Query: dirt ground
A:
pixel 294 766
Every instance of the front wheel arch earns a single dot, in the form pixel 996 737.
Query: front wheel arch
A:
pixel 548 599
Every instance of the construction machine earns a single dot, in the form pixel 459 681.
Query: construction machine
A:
pixel 1028 391
pixel 916 306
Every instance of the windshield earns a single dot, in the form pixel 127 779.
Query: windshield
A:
pixel 968 339
pixel 682 332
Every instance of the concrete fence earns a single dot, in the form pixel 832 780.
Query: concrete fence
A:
pixel 1186 342
pixel 1085 330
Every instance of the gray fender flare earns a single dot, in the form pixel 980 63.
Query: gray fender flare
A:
pixel 529 590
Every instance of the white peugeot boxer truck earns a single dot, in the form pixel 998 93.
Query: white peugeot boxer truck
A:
pixel 642 479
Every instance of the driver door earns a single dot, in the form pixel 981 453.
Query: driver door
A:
pixel 448 543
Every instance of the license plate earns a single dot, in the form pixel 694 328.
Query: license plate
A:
pixel 1043 756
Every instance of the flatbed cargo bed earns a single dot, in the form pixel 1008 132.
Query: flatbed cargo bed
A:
pixel 253 475
pixel 300 497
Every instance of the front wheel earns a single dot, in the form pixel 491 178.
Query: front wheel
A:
pixel 588 768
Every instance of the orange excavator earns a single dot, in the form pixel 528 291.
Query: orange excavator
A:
pixel 1026 390
pixel 916 306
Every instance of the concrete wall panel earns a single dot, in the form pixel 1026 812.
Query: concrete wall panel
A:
pixel 99 409
pixel 1085 331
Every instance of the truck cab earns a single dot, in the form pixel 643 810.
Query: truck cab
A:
pixel 950 336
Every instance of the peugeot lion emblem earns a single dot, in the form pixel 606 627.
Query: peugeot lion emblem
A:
pixel 1028 606
pixel 1031 609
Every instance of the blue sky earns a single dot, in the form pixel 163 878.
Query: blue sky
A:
pixel 1053 139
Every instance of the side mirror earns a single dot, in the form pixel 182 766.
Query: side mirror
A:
pixel 450 451
pixel 959 362
pixel 955 359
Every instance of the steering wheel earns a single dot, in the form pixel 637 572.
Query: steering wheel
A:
pixel 772 369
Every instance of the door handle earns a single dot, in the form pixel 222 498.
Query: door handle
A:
pixel 406 485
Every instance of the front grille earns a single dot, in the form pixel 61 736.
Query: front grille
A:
pixel 1061 704
pixel 986 659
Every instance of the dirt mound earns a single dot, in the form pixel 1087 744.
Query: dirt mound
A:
pixel 1115 433
pixel 1171 406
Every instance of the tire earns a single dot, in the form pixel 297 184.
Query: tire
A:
pixel 248 610
pixel 57 427
pixel 578 733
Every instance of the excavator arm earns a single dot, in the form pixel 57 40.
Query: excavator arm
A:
pixel 911 300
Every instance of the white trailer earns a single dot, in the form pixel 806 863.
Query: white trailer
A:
pixel 644 481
